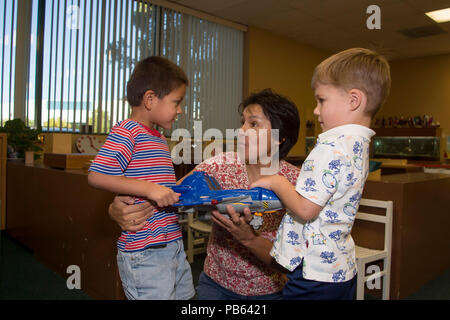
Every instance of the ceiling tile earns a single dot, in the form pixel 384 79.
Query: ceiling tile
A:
pixel 207 5
pixel 425 6
pixel 333 25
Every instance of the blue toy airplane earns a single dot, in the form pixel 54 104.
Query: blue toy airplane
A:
pixel 202 192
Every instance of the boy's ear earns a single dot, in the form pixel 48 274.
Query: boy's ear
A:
pixel 148 99
pixel 357 99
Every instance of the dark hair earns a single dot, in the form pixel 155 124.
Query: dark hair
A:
pixel 281 112
pixel 158 74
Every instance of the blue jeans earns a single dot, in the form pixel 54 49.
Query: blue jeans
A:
pixel 299 288
pixel 156 273
pixel 208 289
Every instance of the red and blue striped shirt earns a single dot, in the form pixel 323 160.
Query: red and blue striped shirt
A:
pixel 136 151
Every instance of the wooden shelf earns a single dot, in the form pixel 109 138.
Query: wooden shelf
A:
pixel 408 132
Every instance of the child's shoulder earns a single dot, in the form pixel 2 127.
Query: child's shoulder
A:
pixel 126 127
pixel 344 140
pixel 126 124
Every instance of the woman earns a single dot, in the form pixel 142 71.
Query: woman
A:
pixel 235 267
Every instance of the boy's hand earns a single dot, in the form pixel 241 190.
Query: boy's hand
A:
pixel 163 196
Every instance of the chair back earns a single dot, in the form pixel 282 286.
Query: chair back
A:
pixel 386 219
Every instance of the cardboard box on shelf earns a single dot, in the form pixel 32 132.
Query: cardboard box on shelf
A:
pixel 59 143
pixel 68 160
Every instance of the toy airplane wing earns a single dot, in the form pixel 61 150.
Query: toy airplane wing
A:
pixel 182 189
pixel 207 200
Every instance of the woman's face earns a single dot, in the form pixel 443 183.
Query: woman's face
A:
pixel 255 135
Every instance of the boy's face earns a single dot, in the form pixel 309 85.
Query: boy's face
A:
pixel 165 111
pixel 332 106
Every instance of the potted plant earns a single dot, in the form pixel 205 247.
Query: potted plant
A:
pixel 21 139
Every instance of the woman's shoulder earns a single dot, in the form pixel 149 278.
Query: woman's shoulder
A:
pixel 289 171
pixel 223 158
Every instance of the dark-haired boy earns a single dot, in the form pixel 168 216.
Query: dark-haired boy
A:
pixel 135 160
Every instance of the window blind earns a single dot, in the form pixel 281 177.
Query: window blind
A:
pixel 8 18
pixel 212 57
pixel 79 69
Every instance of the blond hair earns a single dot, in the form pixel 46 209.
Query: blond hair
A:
pixel 357 68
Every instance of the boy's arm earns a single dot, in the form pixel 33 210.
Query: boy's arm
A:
pixel 163 196
pixel 291 199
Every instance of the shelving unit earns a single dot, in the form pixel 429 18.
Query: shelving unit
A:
pixel 407 143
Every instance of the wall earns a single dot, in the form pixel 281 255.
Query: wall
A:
pixel 420 86
pixel 276 62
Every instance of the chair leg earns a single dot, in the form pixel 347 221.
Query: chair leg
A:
pixel 190 245
pixel 360 281
pixel 386 280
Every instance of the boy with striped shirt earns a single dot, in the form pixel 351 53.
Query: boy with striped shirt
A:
pixel 135 160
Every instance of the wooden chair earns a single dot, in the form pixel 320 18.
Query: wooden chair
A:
pixel 364 256
pixel 197 236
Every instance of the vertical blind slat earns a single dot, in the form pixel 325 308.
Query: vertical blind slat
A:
pixel 11 57
pixel 3 62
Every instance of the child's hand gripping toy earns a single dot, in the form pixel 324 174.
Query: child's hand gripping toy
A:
pixel 202 192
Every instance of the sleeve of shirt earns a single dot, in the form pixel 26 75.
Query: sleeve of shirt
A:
pixel 320 174
pixel 115 154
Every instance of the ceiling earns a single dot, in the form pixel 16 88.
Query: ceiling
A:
pixel 334 25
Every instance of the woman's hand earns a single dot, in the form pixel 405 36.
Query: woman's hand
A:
pixel 240 229
pixel 129 216
pixel 237 225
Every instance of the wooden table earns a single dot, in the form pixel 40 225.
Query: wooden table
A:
pixel 64 221
pixel 420 241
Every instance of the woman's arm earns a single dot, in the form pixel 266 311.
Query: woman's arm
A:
pixel 239 227
pixel 163 196
pixel 188 174
pixel 129 216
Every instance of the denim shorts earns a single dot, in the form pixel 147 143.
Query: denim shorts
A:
pixel 156 273
pixel 208 289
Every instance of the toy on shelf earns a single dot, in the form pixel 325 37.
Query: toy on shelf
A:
pixel 202 192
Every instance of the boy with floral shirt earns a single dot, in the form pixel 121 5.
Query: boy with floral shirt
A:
pixel 314 242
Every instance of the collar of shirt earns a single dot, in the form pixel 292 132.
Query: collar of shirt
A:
pixel 352 129
pixel 153 132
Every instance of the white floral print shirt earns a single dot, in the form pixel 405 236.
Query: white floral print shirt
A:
pixel 332 176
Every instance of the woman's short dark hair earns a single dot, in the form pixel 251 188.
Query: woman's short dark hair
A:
pixel 281 112
pixel 158 74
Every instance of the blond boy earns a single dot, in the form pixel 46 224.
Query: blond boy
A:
pixel 314 242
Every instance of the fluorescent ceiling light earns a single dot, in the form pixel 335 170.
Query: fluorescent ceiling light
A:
pixel 439 15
